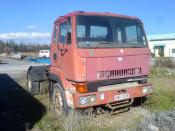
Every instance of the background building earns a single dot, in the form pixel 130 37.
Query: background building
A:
pixel 162 44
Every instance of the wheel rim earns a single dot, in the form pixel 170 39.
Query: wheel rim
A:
pixel 58 102
pixel 29 83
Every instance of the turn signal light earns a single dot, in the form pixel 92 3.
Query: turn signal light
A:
pixel 81 87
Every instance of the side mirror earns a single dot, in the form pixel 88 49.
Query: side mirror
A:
pixel 68 38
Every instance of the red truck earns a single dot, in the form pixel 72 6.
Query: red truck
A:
pixel 96 59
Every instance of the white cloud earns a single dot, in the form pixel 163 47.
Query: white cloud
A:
pixel 25 35
pixel 32 27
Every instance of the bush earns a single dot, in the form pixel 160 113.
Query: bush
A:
pixel 158 72
pixel 164 62
pixel 7 50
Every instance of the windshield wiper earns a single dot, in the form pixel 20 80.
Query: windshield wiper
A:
pixel 102 43
pixel 106 44
pixel 136 46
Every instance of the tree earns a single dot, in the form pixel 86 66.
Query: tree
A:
pixel 7 50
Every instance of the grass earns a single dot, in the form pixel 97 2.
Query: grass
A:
pixel 163 81
pixel 76 121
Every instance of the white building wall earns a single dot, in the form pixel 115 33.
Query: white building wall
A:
pixel 169 45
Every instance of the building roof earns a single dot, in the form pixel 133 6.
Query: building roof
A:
pixel 157 37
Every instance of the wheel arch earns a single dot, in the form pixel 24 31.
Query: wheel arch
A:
pixel 53 78
pixel 56 79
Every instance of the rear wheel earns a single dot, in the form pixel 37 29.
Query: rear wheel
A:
pixel 33 87
pixel 59 100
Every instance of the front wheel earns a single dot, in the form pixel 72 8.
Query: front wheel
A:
pixel 59 100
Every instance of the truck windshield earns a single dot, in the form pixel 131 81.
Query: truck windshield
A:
pixel 106 31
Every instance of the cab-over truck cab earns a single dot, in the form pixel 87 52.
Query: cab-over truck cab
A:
pixel 96 59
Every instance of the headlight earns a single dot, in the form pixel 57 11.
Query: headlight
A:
pixel 147 89
pixel 92 99
pixel 87 99
pixel 83 100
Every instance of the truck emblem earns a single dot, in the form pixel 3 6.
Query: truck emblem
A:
pixel 120 58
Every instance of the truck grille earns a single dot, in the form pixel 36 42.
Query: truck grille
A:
pixel 119 73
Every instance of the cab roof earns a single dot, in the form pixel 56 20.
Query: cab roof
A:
pixel 75 13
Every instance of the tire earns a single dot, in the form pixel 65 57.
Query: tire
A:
pixel 32 86
pixel 59 100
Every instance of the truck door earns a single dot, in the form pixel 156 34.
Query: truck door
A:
pixel 55 55
pixel 64 44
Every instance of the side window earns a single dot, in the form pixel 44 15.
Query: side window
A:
pixel 65 32
pixel 69 32
pixel 55 34
pixel 141 36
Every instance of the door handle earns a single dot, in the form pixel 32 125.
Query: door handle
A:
pixel 63 51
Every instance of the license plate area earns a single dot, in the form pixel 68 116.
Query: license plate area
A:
pixel 121 97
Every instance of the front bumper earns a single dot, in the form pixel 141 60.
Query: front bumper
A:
pixel 106 97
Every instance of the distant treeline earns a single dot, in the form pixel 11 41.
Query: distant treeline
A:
pixel 11 46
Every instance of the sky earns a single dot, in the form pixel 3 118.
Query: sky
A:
pixel 32 20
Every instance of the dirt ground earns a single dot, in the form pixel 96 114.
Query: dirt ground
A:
pixel 15 68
